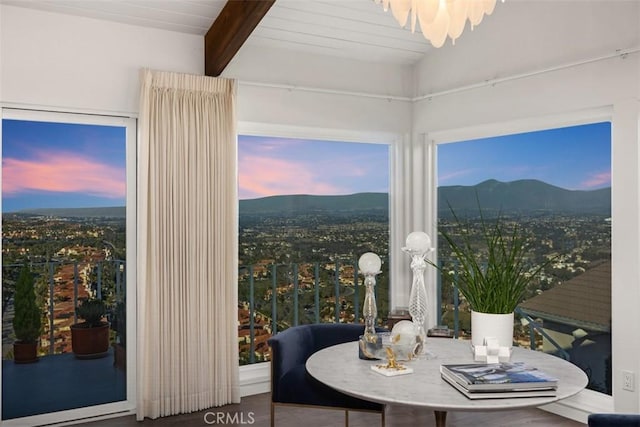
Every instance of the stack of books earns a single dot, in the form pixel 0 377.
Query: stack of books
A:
pixel 499 380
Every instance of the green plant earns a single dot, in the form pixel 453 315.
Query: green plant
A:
pixel 27 318
pixel 92 310
pixel 492 278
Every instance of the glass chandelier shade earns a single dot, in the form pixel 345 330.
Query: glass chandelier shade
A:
pixel 439 18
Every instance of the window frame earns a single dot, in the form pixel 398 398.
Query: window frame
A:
pixel 586 400
pixel 255 378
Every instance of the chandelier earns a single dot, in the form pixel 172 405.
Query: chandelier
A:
pixel 439 18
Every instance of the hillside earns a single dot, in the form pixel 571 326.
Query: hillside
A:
pixel 529 196
pixel 313 204
pixel 105 212
pixel 522 196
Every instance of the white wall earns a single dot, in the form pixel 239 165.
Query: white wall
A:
pixel 83 64
pixel 315 91
pixel 261 64
pixel 65 61
pixel 527 37
pixel 322 110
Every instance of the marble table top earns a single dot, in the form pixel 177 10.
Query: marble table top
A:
pixel 340 368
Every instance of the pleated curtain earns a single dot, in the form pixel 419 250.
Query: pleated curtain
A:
pixel 187 356
pixel 414 190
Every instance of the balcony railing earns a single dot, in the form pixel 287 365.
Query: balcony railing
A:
pixel 59 286
pixel 259 323
pixel 276 296
pixel 332 293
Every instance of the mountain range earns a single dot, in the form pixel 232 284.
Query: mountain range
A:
pixel 303 203
pixel 102 212
pixel 527 195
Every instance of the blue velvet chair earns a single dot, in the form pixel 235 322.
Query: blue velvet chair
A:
pixel 290 382
pixel 614 420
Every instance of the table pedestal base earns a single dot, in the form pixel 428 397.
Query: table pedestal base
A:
pixel 441 418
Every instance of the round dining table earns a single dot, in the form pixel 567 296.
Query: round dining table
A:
pixel 340 367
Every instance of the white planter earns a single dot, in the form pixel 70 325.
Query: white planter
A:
pixel 499 326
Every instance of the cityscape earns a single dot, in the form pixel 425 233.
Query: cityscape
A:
pixel 300 237
pixel 574 242
pixel 73 256
pixel 304 253
pixel 301 251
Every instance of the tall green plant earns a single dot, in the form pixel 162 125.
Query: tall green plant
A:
pixel 494 277
pixel 27 316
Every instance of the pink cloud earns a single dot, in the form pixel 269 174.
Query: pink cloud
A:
pixel 64 173
pixel 263 176
pixel 597 180
pixel 455 174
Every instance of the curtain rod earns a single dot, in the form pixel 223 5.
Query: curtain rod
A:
pixel 326 91
pixel 622 53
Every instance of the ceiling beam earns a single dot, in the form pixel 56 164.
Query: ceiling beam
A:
pixel 230 30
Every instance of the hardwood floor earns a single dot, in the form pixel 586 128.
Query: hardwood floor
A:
pixel 256 409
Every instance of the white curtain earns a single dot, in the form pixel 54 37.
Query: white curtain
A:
pixel 413 210
pixel 187 244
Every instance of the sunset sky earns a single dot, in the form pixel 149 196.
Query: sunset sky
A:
pixel 278 166
pixel 46 165
pixel 61 165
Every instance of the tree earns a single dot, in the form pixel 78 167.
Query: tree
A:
pixel 27 319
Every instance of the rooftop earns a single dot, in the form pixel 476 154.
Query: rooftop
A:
pixel 584 301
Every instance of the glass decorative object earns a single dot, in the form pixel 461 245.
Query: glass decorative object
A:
pixel 418 245
pixel 388 345
pixel 369 264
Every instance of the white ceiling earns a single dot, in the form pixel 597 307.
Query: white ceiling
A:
pixel 357 29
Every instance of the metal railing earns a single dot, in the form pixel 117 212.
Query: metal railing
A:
pixel 92 276
pixel 537 327
pixel 274 325
pixel 286 278
pixel 52 277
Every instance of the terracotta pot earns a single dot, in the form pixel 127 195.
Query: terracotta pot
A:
pixel 90 343
pixel 25 352
pixel 499 326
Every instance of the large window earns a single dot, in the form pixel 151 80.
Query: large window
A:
pixel 308 210
pixel 557 185
pixel 68 220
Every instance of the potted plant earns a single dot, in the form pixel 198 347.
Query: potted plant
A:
pixel 492 274
pixel 27 319
pixel 90 339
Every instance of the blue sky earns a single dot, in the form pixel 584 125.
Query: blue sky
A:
pixel 277 166
pixel 62 165
pixel 575 158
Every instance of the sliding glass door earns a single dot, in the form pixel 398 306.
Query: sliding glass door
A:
pixel 68 253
